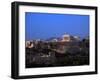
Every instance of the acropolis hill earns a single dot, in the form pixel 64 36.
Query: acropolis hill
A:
pixel 63 51
pixel 65 38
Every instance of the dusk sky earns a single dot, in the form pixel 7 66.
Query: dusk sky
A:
pixel 46 25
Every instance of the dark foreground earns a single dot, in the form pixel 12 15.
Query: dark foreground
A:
pixel 54 54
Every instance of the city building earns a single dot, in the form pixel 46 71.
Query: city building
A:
pixel 29 44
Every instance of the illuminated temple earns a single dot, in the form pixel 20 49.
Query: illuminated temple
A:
pixel 63 39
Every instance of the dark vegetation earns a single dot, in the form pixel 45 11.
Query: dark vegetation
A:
pixel 45 54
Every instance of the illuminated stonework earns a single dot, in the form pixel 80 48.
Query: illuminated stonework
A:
pixel 65 38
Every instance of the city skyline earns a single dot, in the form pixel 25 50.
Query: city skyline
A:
pixel 46 25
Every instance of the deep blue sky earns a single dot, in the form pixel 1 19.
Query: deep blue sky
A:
pixel 46 25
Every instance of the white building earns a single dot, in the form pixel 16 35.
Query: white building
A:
pixel 65 38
